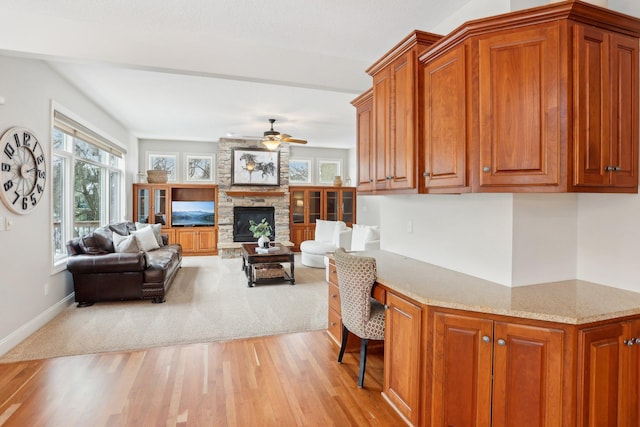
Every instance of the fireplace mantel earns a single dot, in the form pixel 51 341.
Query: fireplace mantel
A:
pixel 255 193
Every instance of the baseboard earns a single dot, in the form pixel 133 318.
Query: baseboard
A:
pixel 17 336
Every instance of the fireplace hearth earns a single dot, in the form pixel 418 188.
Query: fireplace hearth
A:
pixel 243 214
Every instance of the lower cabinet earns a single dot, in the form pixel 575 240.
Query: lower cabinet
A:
pixel 403 356
pixel 608 392
pixel 197 240
pixel 508 374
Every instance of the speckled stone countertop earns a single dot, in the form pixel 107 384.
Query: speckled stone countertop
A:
pixel 571 301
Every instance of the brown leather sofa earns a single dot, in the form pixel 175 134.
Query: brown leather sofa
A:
pixel 102 274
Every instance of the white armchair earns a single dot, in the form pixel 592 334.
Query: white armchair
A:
pixel 329 236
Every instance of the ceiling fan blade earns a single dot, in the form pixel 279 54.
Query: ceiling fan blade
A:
pixel 294 140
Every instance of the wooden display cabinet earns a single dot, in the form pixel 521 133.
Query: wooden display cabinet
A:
pixel 308 204
pixel 152 203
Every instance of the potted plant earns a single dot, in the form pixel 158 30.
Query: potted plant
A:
pixel 262 230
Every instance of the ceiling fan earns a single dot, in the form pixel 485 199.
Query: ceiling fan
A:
pixel 272 138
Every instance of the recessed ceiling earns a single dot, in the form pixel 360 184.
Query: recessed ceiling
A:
pixel 199 70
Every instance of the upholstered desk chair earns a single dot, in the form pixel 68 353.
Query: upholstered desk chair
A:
pixel 361 315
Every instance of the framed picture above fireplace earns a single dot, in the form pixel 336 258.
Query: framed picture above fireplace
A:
pixel 255 166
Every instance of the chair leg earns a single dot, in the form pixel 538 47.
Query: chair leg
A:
pixel 343 345
pixel 363 360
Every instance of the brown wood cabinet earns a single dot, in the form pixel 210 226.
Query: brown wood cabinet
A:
pixel 519 107
pixel 365 141
pixel 308 204
pixel 609 388
pixel 606 125
pixel 445 122
pixel 525 361
pixel 403 356
pixel 393 164
pixel 538 100
pixel 153 203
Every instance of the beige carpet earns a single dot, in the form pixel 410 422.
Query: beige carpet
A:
pixel 208 301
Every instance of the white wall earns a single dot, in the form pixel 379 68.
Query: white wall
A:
pixel 29 88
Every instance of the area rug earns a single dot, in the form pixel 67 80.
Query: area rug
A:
pixel 208 301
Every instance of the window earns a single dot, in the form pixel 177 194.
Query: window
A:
pixel 87 183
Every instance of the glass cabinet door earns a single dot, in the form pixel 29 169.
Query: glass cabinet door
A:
pixel 348 207
pixel 143 201
pixel 315 206
pixel 297 207
pixel 333 204
pixel 160 199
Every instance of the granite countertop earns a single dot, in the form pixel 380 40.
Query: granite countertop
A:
pixel 570 301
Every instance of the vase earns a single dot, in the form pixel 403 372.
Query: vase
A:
pixel 263 242
pixel 337 181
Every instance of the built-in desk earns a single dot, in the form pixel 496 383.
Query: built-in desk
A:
pixel 552 354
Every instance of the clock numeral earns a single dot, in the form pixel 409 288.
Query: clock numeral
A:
pixel 40 159
pixel 25 205
pixel 17 138
pixel 9 151
pixel 8 185
pixel 40 188
pixel 16 199
pixel 33 199
pixel 42 174
pixel 26 138
pixel 6 167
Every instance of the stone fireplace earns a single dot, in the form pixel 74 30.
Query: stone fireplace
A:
pixel 230 197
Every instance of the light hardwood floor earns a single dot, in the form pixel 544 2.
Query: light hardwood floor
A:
pixel 286 380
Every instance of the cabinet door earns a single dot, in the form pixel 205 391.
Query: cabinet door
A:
pixel 623 114
pixel 188 240
pixel 142 204
pixel 402 149
pixel 381 127
pixel 445 125
pixel 298 234
pixel 160 206
pixel 605 89
pixel 348 207
pixel 365 143
pixel 599 358
pixel 332 205
pixel 528 376
pixel 403 332
pixel 632 373
pixel 206 240
pixel 519 108
pixel 462 355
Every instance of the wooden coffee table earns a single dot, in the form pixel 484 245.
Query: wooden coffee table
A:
pixel 267 268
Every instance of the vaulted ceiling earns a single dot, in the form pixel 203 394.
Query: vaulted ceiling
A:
pixel 202 69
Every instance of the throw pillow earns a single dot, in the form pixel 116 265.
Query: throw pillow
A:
pixel 358 237
pixel 120 228
pixel 157 231
pixel 125 244
pixel 146 239
pixel 324 230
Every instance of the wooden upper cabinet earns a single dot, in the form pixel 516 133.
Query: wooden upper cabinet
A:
pixel 606 104
pixel 396 117
pixel 519 107
pixel 365 140
pixel 444 108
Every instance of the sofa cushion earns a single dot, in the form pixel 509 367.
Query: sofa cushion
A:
pixel 325 230
pixel 95 244
pixel 146 239
pixel 122 228
pixel 127 244
pixel 362 234
pixel 160 261
pixel 157 231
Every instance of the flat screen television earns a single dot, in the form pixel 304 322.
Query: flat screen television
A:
pixel 192 214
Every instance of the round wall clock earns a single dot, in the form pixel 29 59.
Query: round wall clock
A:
pixel 23 170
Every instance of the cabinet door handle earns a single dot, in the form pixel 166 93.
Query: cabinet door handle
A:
pixel 630 342
pixel 334 295
pixel 486 339
pixel 426 174
pixel 501 342
pixel 486 169
pixel 333 323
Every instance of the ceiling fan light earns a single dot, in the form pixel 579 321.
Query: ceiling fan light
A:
pixel 271 144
